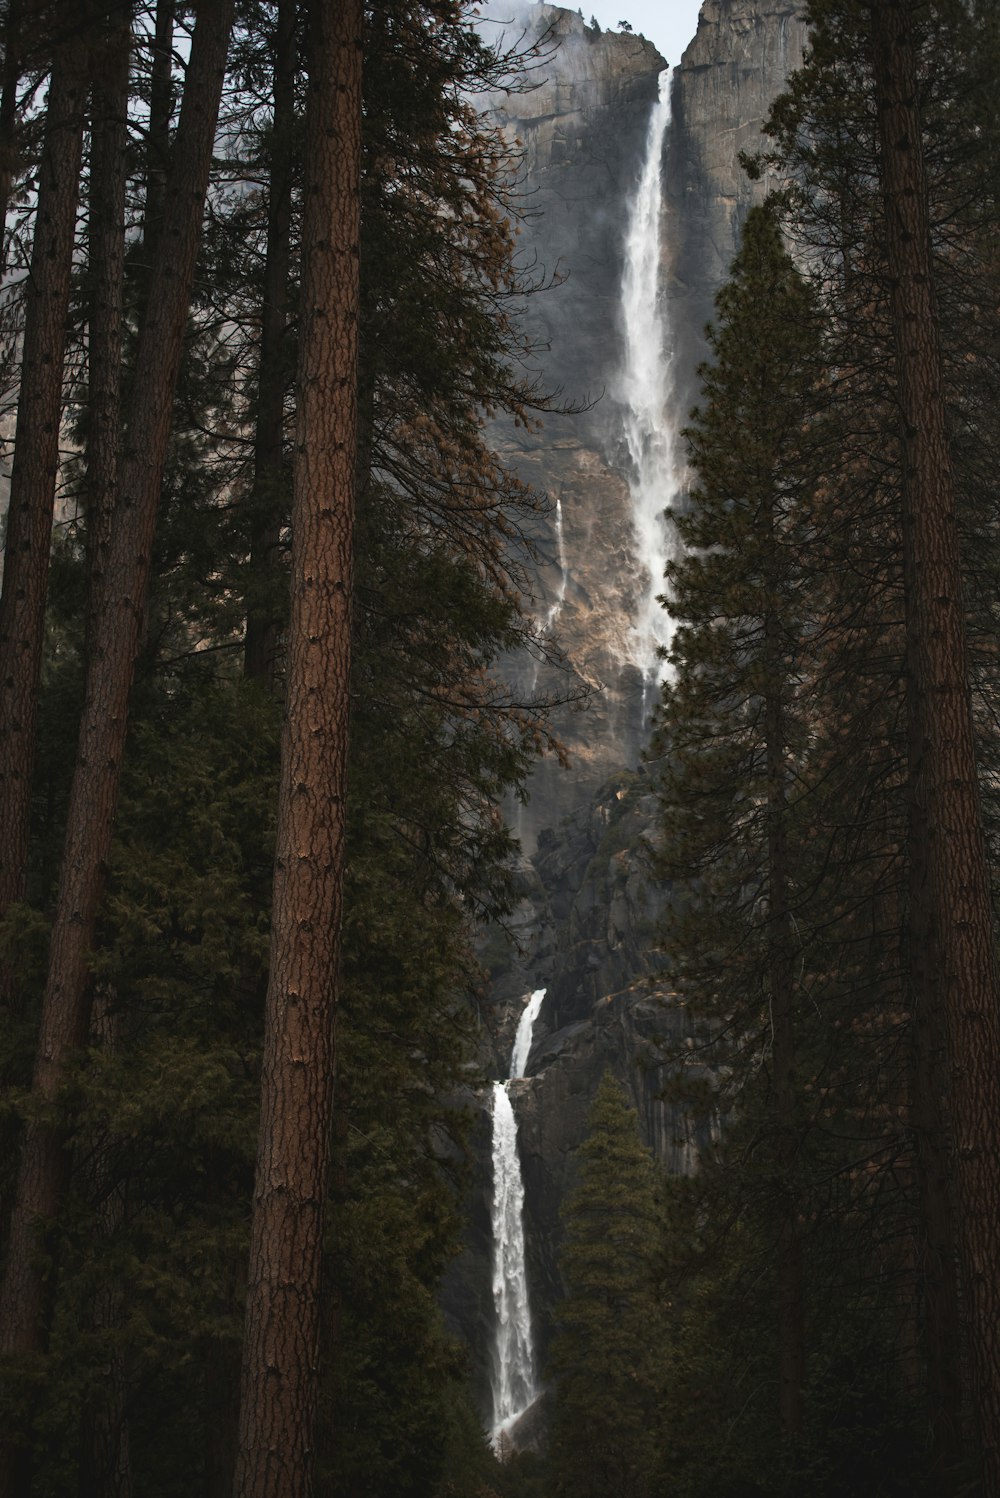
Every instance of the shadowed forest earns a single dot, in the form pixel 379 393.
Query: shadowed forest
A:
pixel 264 576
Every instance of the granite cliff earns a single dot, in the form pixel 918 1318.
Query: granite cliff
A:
pixel 588 914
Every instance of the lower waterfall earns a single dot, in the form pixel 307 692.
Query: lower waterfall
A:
pixel 514 1386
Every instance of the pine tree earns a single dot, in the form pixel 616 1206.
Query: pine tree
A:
pixel 952 854
pixel 146 1300
pixel 607 1358
pixel 65 1013
pixel 779 757
pixel 732 722
pixel 885 132
pixel 36 446
pixel 277 1414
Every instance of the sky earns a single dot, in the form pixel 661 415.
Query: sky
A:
pixel 670 24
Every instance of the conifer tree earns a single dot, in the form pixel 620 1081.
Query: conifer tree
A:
pixel 65 1012
pixel 952 855
pixel 281 1348
pixel 884 130
pixel 36 444
pixel 731 726
pixel 156 1132
pixel 607 1358
pixel 778 763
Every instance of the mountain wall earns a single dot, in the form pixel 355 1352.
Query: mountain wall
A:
pixel 586 923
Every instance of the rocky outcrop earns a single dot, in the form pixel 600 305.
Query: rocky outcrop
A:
pixel 729 76
pixel 581 135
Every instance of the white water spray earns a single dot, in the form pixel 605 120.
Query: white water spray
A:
pixel 645 389
pixel 514 1386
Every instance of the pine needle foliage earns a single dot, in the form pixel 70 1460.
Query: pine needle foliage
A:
pixel 607 1358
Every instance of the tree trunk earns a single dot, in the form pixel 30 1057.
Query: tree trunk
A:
pixel 263 615
pixel 280 1374
pixel 106 276
pixel 105 1457
pixel 36 459
pixel 65 1009
pixel 937 1280
pixel 957 882
pixel 781 985
pixel 161 108
pixel 11 77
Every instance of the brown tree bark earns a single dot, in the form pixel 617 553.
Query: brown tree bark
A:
pixel 937 1282
pixel 263 618
pixel 781 985
pixel 9 80
pixel 161 105
pixel 280 1375
pixel 65 1009
pixel 957 875
pixel 105 1456
pixel 106 277
pixel 36 457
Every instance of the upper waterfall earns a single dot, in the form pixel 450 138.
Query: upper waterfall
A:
pixel 645 392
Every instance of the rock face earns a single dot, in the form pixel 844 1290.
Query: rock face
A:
pixel 582 133
pixel 589 910
pixel 729 75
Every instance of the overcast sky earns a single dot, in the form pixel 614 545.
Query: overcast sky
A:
pixel 669 23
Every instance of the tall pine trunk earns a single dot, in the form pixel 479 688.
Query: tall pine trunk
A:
pixel 106 284
pixel 158 136
pixel 10 77
pixel 781 987
pixel 937 1277
pixel 36 457
pixel 111 665
pixel 280 1373
pixel 263 613
pixel 957 875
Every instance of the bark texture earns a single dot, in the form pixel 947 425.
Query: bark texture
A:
pixel 11 77
pixel 280 1375
pixel 937 1281
pixel 36 456
pixel 957 875
pixel 781 984
pixel 263 617
pixel 65 1010
pixel 161 106
pixel 106 276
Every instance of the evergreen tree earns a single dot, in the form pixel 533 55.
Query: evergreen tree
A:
pixel 278 1413
pixel 772 785
pixel 155 1114
pixel 891 94
pixel 65 1012
pixel 950 854
pixel 732 723
pixel 607 1358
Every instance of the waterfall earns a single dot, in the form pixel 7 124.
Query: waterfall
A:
pixel 644 391
pixel 556 606
pixel 514 1387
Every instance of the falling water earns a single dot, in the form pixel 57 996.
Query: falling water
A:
pixel 555 607
pixel 645 390
pixel 514 1386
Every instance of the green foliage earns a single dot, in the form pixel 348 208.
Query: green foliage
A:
pixel 743 593
pixel 147 1258
pixel 607 1358
pixel 779 742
